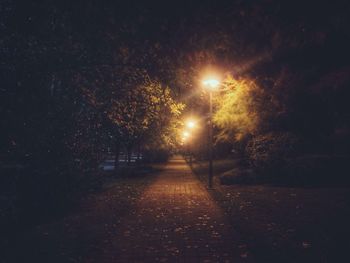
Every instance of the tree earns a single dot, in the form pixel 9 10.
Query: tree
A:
pixel 238 109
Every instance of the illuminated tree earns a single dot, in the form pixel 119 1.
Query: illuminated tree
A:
pixel 144 115
pixel 238 108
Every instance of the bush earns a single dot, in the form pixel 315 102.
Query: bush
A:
pixel 276 157
pixel 318 170
pixel 268 153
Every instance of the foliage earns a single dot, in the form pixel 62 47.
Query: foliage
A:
pixel 140 110
pixel 237 113
pixel 269 152
pixel 317 169
pixel 162 134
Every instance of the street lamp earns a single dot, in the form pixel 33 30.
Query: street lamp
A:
pixel 211 85
pixel 186 134
pixel 190 124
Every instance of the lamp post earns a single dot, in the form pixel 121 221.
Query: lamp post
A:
pixel 211 85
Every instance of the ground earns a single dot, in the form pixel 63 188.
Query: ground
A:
pixel 286 224
pixel 170 216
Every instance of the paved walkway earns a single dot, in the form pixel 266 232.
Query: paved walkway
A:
pixel 175 220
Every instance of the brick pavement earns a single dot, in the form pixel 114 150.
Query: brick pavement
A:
pixel 175 220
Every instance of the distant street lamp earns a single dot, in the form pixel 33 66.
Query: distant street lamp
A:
pixel 190 124
pixel 211 85
pixel 186 134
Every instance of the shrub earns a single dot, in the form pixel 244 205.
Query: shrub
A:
pixel 318 169
pixel 268 153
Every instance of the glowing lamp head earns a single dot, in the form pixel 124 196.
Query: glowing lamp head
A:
pixel 190 124
pixel 185 134
pixel 211 83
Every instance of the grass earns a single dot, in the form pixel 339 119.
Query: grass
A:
pixel 285 224
pixel 200 168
